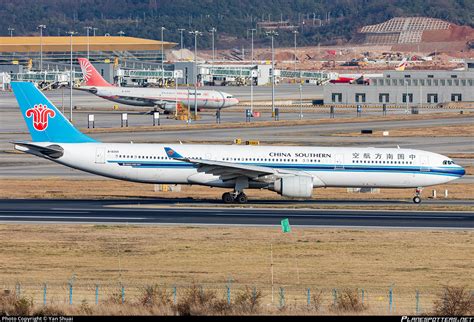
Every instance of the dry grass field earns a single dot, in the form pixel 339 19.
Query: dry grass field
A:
pixel 320 259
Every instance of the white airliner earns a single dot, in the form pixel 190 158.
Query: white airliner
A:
pixel 164 98
pixel 291 171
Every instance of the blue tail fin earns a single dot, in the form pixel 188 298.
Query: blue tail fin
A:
pixel 172 153
pixel 45 122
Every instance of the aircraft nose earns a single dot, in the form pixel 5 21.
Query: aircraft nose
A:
pixel 462 171
pixel 231 101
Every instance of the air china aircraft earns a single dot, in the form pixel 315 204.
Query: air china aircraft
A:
pixel 289 171
pixel 360 79
pixel 164 98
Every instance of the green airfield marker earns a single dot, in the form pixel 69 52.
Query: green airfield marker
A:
pixel 285 225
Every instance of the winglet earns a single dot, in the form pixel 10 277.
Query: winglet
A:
pixel 172 153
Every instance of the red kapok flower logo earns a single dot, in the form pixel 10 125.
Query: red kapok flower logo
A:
pixel 40 115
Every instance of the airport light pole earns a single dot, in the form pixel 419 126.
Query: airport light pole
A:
pixel 41 27
pixel 162 58
pixel 181 32
pixel 295 32
pixel 212 31
pixel 251 72
pixel 301 101
pixel 87 29
pixel 93 30
pixel 406 96
pixel 10 29
pixel 196 33
pixel 272 34
pixel 71 81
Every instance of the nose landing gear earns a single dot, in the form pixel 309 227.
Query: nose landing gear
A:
pixel 417 197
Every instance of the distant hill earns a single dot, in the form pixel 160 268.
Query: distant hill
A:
pixel 323 21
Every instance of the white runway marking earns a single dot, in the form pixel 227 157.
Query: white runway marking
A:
pixel 45 211
pixel 75 217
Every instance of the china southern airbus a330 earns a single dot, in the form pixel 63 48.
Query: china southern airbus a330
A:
pixel 164 98
pixel 290 171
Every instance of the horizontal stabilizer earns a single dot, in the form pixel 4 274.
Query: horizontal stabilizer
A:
pixel 53 151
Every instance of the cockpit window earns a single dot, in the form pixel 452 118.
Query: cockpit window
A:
pixel 448 162
pixel 229 96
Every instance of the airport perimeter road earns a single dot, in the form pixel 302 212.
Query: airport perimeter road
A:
pixel 132 212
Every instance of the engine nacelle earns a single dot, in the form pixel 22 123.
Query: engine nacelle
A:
pixel 168 107
pixel 294 186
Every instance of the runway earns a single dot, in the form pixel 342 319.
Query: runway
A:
pixel 156 212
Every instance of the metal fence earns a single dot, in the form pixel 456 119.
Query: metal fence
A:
pixel 390 300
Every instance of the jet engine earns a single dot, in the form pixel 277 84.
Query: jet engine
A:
pixel 168 107
pixel 294 186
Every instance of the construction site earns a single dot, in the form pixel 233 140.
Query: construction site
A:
pixel 427 43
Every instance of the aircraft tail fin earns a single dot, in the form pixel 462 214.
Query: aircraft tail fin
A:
pixel 172 153
pixel 45 122
pixel 90 74
pixel 403 64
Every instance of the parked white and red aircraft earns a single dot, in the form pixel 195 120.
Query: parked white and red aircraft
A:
pixel 361 79
pixel 164 98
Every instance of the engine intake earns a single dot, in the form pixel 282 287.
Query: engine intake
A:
pixel 294 186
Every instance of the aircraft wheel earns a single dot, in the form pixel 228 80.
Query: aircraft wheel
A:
pixel 227 197
pixel 241 198
pixel 416 199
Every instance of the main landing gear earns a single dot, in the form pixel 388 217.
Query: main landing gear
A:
pixel 235 197
pixel 238 196
pixel 417 197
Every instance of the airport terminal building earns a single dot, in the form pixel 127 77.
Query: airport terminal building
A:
pixel 407 88
pixel 55 51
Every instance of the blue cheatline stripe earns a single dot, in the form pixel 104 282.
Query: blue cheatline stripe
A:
pixel 443 171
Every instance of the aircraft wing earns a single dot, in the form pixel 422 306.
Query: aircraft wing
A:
pixel 229 170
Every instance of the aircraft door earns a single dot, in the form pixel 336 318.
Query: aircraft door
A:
pixel 339 162
pixel 424 163
pixel 205 99
pixel 100 155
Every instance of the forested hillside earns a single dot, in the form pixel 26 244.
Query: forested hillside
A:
pixel 318 21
